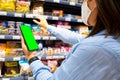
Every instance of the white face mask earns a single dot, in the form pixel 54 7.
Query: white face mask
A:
pixel 85 13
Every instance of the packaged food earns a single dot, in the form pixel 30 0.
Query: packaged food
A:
pixel 3 27
pixel 7 5
pixel 22 6
pixel 11 27
pixel 2 49
pixel 37 8
pixel 11 69
pixel 13 49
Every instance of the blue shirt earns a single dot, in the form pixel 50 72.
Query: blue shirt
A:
pixel 93 58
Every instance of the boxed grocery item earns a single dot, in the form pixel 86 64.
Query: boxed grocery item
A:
pixel 11 27
pixel 36 29
pixel 7 5
pixel 58 13
pixel 25 68
pixel 2 49
pixel 11 69
pixel 1 65
pixel 52 64
pixel 3 27
pixel 22 6
pixel 37 8
pixel 18 32
pixel 13 49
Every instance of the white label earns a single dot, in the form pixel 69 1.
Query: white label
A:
pixel 49 57
pixel 37 37
pixel 61 57
pixel 16 37
pixel 55 18
pixel 3 13
pixel 18 15
pixel 46 17
pixel 57 1
pixel 16 58
pixel 45 38
pixel 52 38
pixel 55 57
pixel 29 15
pixel 2 59
pixel 72 3
pixel 6 79
pixel 67 19
pixel 79 20
pixel 2 37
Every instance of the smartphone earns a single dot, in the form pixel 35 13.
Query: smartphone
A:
pixel 29 38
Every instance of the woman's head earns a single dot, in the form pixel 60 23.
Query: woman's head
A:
pixel 105 15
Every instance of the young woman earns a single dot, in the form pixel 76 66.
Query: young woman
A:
pixel 96 57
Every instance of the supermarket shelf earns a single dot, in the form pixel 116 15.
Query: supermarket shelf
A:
pixel 20 15
pixel 13 59
pixel 63 2
pixel 11 14
pixel 55 18
pixel 44 57
pixel 14 78
pixel 18 37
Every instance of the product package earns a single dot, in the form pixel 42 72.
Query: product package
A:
pixel 25 68
pixel 52 64
pixel 7 5
pixel 22 6
pixel 36 29
pixel 1 65
pixel 11 69
pixel 2 49
pixel 13 49
pixel 18 28
pixel 37 8
pixel 11 27
pixel 3 27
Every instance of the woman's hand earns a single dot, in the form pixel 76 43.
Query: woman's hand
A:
pixel 42 22
pixel 28 54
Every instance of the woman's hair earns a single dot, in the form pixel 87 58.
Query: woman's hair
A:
pixel 108 18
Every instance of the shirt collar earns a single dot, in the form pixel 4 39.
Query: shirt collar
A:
pixel 103 32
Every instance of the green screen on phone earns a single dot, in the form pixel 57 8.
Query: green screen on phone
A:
pixel 28 37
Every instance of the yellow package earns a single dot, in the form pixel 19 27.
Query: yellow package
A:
pixel 7 5
pixel 22 6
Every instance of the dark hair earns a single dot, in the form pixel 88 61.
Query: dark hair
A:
pixel 108 18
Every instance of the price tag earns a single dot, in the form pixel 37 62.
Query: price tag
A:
pixel 55 18
pixel 37 37
pixel 56 1
pixel 2 37
pixel 16 37
pixel 5 78
pixel 45 38
pixel 72 3
pixel 79 20
pixel 55 57
pixel 46 17
pixel 18 15
pixel 16 58
pixel 52 38
pixel 3 13
pixel 49 57
pixel 2 59
pixel 67 19
pixel 61 57
pixel 29 15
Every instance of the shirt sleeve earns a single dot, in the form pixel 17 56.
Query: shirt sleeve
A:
pixel 65 35
pixel 85 63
